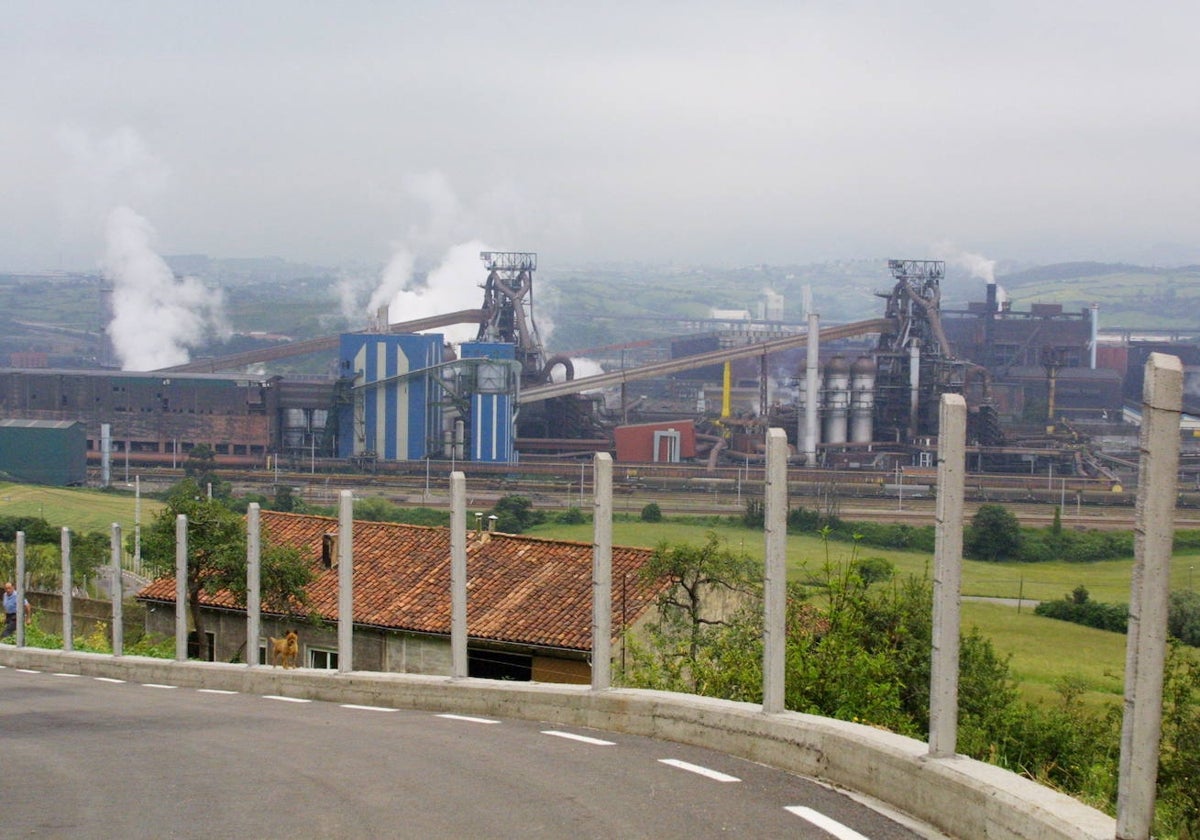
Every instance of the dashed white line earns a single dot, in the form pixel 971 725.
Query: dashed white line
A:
pixel 467 718
pixel 829 826
pixel 215 691
pixel 702 771
pixel 584 738
pixel 108 679
pixel 286 699
pixel 68 675
pixel 367 708
pixel 27 671
pixel 158 685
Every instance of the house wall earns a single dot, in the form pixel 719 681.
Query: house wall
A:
pixel 374 649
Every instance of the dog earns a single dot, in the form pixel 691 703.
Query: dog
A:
pixel 285 651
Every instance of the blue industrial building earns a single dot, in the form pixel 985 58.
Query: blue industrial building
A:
pixel 494 379
pixel 394 412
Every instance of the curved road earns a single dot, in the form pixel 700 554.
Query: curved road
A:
pixel 86 757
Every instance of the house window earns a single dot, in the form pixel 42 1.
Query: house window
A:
pixel 193 646
pixel 326 660
pixel 499 665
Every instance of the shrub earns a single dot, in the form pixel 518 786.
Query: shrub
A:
pixel 994 534
pixel 571 516
pixel 652 513
pixel 515 514
pixel 1183 617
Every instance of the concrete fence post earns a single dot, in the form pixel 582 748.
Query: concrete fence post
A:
pixel 181 593
pixel 345 581
pixel 947 575
pixel 253 582
pixel 118 594
pixel 19 585
pixel 458 575
pixel 602 572
pixel 1145 646
pixel 67 595
pixel 775 573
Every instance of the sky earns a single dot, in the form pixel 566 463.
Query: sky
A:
pixel 720 133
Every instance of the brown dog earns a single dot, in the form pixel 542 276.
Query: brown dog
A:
pixel 285 651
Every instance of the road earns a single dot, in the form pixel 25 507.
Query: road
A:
pixel 91 758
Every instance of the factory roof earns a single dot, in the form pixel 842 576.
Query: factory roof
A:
pixel 521 590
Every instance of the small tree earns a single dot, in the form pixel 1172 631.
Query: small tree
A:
pixel 514 514
pixel 995 534
pixel 652 513
pixel 703 578
pixel 216 542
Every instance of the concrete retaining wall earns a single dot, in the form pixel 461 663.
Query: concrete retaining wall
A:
pixel 959 796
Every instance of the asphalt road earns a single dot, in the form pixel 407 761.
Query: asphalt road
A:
pixel 82 757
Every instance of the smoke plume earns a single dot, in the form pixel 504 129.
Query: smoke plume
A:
pixel 156 318
pixel 978 266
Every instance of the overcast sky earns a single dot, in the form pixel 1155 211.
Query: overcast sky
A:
pixel 699 132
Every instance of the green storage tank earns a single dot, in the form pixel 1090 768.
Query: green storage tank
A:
pixel 44 451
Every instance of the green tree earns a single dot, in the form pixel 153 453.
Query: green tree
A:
pixel 200 465
pixel 652 513
pixel 216 542
pixel 995 534
pixel 708 586
pixel 1183 617
pixel 515 514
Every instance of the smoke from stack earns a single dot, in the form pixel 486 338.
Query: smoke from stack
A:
pixel 156 317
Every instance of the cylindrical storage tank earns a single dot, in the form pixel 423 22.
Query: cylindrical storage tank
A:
pixel 862 400
pixel 837 399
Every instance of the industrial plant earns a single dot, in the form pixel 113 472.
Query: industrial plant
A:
pixel 1044 392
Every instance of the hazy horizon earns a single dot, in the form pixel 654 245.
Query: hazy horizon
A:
pixel 703 133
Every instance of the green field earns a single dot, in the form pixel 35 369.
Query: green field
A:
pixel 78 509
pixel 1043 651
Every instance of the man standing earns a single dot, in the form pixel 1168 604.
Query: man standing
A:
pixel 10 611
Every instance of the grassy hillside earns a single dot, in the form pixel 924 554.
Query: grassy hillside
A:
pixel 1129 296
pixel 81 510
pixel 1044 652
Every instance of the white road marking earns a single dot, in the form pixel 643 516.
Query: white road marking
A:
pixel 368 708
pixel 108 679
pixel 68 675
pixel 215 691
pixel 584 738
pixel 286 699
pixel 830 826
pixel 468 719
pixel 27 671
pixel 158 685
pixel 703 771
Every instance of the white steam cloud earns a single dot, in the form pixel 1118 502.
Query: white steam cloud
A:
pixel 979 266
pixel 452 285
pixel 156 318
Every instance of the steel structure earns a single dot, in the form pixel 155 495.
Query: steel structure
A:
pixel 915 362
pixel 508 309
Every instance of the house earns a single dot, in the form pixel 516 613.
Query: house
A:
pixel 529 601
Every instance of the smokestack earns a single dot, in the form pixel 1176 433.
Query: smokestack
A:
pixel 1095 333
pixel 105 454
pixel 914 384
pixel 811 396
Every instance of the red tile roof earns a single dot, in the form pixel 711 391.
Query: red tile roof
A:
pixel 520 589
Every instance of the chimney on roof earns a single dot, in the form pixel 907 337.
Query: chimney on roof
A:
pixel 492 523
pixel 328 547
pixel 478 523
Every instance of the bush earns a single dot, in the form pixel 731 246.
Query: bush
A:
pixel 652 513
pixel 1183 617
pixel 1079 609
pixel 994 534
pixel 515 514
pixel 571 516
